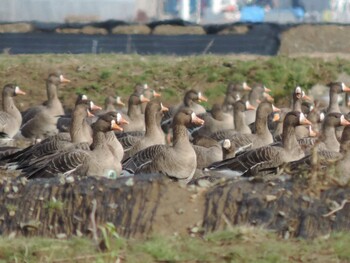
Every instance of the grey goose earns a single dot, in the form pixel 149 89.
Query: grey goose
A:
pixel 80 135
pixel 10 116
pixel 41 122
pixel 254 162
pixel 98 161
pixel 154 134
pixel 178 160
pixel 239 122
pixel 258 94
pixel 134 115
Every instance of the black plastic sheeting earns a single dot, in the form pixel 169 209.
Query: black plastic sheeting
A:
pixel 36 43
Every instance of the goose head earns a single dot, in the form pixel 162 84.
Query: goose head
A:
pixel 193 96
pixel 11 90
pixel 335 119
pixel 109 121
pixel 187 117
pixel 295 118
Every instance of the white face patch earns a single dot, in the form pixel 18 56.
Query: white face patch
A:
pixel 119 117
pixel 245 84
pixel 302 118
pixel 247 104
pixel 322 116
pixel 298 90
pixel 113 123
pixel 342 119
pixel 238 97
pixel 193 116
pixel 61 78
pixel 17 89
pixel 142 97
pixel 199 94
pixel 91 104
pixel 84 97
pixel 145 86
pixel 343 86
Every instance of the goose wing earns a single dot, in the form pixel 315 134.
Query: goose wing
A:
pixel 249 159
pixel 142 159
pixel 64 163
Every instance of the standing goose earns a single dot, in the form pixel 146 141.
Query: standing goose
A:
pixel 239 120
pixel 233 94
pixel 10 117
pixel 80 133
pixel 335 88
pixel 215 121
pixel 134 116
pixel 256 95
pixel 176 161
pixel 342 166
pixel 113 101
pixel 97 162
pixel 41 122
pixel 154 134
pixel 262 135
pixel 327 141
pixel 149 94
pixel 327 145
pixel 255 161
pixel 53 104
pixel 189 101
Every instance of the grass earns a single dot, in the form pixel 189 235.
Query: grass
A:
pixel 112 74
pixel 241 244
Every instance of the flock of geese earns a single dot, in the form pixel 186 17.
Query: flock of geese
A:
pixel 246 135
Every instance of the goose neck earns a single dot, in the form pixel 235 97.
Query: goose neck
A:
pixel 289 139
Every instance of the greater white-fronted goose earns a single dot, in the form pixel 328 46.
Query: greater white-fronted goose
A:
pixel 326 146
pixel 262 134
pixel 216 120
pixel 327 140
pixel 111 102
pixel 154 134
pixel 149 94
pixel 335 88
pixel 64 122
pixel 53 104
pixel 254 162
pixel 190 100
pixel 233 94
pixel 209 150
pixel 134 116
pixel 342 166
pixel 258 94
pixel 97 162
pixel 177 161
pixel 10 117
pixel 80 133
pixel 41 122
pixel 239 121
